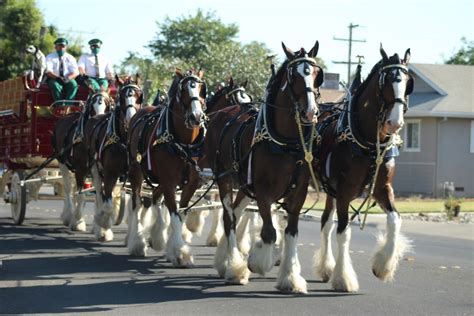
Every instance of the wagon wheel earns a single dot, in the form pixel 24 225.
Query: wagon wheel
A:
pixel 123 205
pixel 18 198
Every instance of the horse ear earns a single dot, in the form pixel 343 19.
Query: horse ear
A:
pixel 137 78
pixel 178 72
pixel 231 81
pixel 244 84
pixel 288 52
pixel 383 53
pixel 314 51
pixel 200 73
pixel 119 80
pixel 406 59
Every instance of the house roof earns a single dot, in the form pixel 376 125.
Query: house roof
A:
pixel 452 93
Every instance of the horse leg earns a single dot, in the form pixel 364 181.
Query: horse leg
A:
pixel 107 214
pixel 229 262
pixel 262 258
pixel 78 223
pixel 216 232
pixel 279 223
pixel 136 242
pixel 344 278
pixel 97 182
pixel 289 276
pixel 194 219
pixel 324 259
pixel 159 229
pixel 243 235
pixel 177 251
pixel 391 246
pixel 66 214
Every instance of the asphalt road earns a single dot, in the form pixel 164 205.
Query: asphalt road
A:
pixel 48 269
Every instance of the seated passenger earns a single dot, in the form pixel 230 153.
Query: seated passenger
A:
pixel 61 69
pixel 96 67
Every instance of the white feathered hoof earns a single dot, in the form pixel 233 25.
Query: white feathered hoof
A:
pixel 292 283
pixel 237 271
pixel 180 257
pixel 137 246
pixel 158 238
pixel 220 257
pixel 213 240
pixel 195 221
pixel 324 267
pixel 78 226
pixel 187 235
pixel 66 217
pixel 346 282
pixel 261 259
pixel 386 259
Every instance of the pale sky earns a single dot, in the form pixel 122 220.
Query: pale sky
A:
pixel 431 28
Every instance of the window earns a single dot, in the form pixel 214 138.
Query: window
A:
pixel 472 137
pixel 412 135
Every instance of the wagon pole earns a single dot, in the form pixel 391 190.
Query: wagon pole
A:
pixel 45 163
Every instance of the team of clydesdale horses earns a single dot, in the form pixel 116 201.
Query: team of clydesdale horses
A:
pixel 264 152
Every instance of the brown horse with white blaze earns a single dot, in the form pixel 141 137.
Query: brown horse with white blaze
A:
pixel 106 141
pixel 162 142
pixel 356 151
pixel 263 156
pixel 69 133
pixel 230 94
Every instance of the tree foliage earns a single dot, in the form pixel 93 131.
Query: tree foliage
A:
pixel 465 55
pixel 189 35
pixel 21 22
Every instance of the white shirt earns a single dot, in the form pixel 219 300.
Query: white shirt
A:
pixel 70 64
pixel 87 62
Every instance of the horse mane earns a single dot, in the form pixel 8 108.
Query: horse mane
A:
pixel 273 86
pixel 174 87
pixel 210 103
pixel 395 59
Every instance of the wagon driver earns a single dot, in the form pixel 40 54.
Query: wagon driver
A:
pixel 61 69
pixel 96 67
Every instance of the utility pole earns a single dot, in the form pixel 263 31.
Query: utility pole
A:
pixel 350 40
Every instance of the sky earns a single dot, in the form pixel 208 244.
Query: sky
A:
pixel 432 29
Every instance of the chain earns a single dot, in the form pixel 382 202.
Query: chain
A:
pixel 308 152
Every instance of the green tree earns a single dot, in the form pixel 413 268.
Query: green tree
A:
pixel 242 62
pixel 21 23
pixel 465 55
pixel 202 41
pixel 188 35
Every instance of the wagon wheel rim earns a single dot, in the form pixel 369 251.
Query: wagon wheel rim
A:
pixel 18 203
pixel 123 203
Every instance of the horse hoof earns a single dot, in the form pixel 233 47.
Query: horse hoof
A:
pixel 79 226
pixel 212 241
pixel 237 281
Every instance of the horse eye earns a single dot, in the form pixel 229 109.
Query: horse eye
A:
pixel 192 84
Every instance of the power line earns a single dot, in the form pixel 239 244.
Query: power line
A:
pixel 350 40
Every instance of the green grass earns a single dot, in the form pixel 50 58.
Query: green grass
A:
pixel 404 205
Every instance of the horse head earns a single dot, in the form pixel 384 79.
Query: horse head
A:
pixel 302 81
pixel 395 84
pixel 99 103
pixel 191 95
pixel 227 95
pixel 130 96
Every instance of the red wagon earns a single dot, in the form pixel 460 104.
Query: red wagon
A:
pixel 27 119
